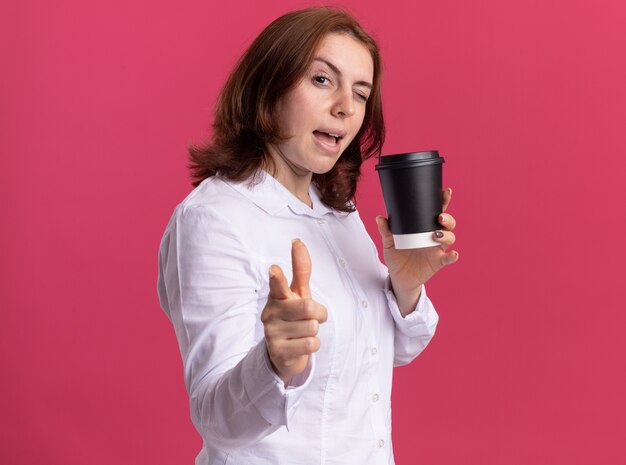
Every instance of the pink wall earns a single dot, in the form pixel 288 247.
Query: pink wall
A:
pixel 525 99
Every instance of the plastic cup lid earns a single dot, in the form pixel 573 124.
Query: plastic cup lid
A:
pixel 400 160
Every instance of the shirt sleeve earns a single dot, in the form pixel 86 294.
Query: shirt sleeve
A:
pixel 209 287
pixel 413 331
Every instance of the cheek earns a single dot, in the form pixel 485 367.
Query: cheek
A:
pixel 357 124
pixel 290 114
pixel 295 117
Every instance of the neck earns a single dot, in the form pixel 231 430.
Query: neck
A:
pixel 299 188
pixel 295 179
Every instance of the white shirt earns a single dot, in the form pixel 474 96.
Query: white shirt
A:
pixel 213 284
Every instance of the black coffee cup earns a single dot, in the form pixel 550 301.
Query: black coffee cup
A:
pixel 411 184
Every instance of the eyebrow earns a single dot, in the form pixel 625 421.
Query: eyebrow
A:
pixel 338 72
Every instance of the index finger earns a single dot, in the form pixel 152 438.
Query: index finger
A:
pixel 301 309
pixel 447 196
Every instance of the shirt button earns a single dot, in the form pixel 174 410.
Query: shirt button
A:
pixel 342 262
pixel 375 398
pixel 381 444
pixel 321 221
pixel 374 350
pixel 364 303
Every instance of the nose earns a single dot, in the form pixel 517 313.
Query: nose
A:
pixel 343 107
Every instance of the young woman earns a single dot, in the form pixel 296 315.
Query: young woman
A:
pixel 299 372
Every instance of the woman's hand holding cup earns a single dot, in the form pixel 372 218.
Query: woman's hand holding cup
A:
pixel 291 318
pixel 409 269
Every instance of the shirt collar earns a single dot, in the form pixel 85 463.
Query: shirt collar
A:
pixel 270 195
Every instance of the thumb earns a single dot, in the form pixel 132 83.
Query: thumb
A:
pixel 301 265
pixel 279 289
pixel 385 232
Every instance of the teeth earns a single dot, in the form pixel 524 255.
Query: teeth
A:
pixel 331 137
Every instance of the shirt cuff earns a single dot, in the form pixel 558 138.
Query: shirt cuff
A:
pixel 413 323
pixel 267 391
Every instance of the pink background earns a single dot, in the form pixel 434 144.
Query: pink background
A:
pixel 525 99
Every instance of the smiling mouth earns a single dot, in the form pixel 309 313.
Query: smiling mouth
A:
pixel 328 137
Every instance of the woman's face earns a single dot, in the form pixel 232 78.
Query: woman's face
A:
pixel 325 111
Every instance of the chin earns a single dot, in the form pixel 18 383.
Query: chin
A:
pixel 325 164
pixel 323 168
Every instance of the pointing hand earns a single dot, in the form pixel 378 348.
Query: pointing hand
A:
pixel 291 318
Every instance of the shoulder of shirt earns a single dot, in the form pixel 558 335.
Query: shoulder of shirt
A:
pixel 213 193
pixel 227 198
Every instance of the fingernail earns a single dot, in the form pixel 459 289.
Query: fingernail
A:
pixel 293 241
pixel 442 218
pixel 450 190
pixel 438 234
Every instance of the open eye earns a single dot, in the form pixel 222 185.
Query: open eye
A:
pixel 321 79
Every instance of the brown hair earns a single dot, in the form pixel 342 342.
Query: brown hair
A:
pixel 245 118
